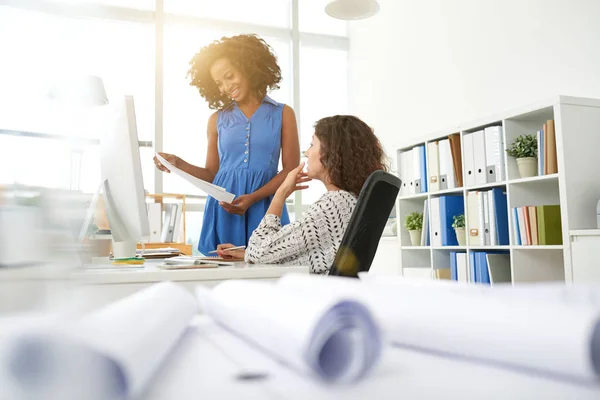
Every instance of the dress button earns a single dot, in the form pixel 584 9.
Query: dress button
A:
pixel 247 128
pixel 247 136
pixel 246 152
pixel 245 160
pixel 246 143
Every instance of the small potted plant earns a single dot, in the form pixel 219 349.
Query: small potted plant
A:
pixel 414 225
pixel 459 228
pixel 524 149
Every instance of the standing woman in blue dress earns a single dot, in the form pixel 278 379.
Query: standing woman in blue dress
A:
pixel 246 135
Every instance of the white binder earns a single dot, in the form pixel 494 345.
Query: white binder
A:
pixel 416 161
pixel 492 211
pixel 410 173
pixel 434 166
pixel 436 227
pixel 494 153
pixel 447 180
pixel 403 174
pixel 473 231
pixel 479 162
pixel 481 216
pixel 155 221
pixel 461 267
pixel 425 229
pixel 486 217
pixel 469 172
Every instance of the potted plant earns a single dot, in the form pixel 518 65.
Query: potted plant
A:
pixel 524 149
pixel 459 228
pixel 414 225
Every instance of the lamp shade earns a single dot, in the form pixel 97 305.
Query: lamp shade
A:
pixel 351 9
pixel 85 91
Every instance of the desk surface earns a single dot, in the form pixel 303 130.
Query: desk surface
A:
pixel 151 273
pixel 208 361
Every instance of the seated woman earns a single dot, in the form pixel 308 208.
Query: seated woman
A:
pixel 343 153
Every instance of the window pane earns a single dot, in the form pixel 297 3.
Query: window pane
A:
pixel 122 54
pixel 185 112
pixel 258 12
pixel 313 19
pixel 324 92
pixel 52 161
pixel 137 4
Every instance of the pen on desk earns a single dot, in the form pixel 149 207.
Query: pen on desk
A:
pixel 228 249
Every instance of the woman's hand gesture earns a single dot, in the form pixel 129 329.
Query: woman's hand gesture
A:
pixel 294 181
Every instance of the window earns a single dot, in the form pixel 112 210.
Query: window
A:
pixel 121 53
pixel 136 4
pixel 186 113
pixel 274 13
pixel 324 92
pixel 115 39
pixel 313 19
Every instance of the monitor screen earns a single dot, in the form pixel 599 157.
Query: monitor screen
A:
pixel 123 186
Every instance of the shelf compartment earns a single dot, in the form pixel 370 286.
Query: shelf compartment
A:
pixel 539 192
pixel 416 259
pixel 537 266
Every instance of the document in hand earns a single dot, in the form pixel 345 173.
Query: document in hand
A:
pixel 329 336
pixel 215 191
pixel 109 354
pixel 546 330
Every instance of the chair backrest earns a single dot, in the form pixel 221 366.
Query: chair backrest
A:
pixel 373 207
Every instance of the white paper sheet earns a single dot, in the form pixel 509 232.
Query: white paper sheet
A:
pixel 215 191
pixel 322 335
pixel 552 337
pixel 111 353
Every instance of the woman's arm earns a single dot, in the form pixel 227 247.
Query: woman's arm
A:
pixel 290 158
pixel 212 156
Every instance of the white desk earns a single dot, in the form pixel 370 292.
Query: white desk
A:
pixel 101 286
pixel 34 287
pixel 207 361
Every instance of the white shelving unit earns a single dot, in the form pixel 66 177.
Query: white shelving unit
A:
pixel 576 187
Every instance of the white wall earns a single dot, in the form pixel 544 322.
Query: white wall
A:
pixel 420 66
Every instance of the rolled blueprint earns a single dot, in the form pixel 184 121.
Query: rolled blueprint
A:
pixel 331 337
pixel 109 354
pixel 546 330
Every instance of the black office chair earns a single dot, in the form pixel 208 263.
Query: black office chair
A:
pixel 373 207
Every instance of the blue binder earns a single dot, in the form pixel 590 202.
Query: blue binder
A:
pixel 501 216
pixel 481 266
pixel 453 266
pixel 449 207
pixel 472 268
pixel 423 167
pixel 517 227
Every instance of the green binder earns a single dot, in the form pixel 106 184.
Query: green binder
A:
pixel 549 226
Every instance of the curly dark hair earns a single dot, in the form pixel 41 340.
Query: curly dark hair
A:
pixel 349 150
pixel 249 53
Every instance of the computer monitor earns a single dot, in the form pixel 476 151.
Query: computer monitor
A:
pixel 121 168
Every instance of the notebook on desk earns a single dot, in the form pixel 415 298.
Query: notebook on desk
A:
pixel 199 261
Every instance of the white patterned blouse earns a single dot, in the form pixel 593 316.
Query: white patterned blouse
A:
pixel 312 240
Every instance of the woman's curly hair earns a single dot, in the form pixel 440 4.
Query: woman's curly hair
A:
pixel 249 53
pixel 349 150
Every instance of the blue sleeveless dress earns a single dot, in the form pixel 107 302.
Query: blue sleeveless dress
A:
pixel 248 159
